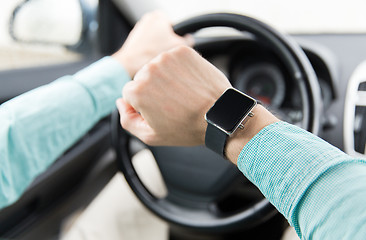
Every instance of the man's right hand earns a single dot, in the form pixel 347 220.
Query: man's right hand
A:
pixel 167 101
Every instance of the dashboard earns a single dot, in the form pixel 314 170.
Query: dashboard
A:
pixel 253 68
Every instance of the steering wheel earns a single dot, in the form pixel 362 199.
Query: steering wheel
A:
pixel 199 181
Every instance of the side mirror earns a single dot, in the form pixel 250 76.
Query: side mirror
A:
pixel 52 22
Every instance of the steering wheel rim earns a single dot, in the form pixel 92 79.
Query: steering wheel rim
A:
pixel 196 218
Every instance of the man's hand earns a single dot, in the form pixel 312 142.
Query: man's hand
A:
pixel 152 35
pixel 167 101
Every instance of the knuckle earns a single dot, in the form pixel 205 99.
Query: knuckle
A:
pixel 152 68
pixel 165 57
pixel 161 60
pixel 151 71
pixel 149 140
pixel 133 93
pixel 183 50
pixel 137 89
pixel 126 90
pixel 131 90
pixel 178 53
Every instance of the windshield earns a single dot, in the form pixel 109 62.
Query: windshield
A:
pixel 292 16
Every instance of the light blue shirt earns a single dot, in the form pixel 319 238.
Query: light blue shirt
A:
pixel 38 126
pixel 318 188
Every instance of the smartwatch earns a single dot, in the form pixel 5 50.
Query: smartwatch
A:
pixel 228 113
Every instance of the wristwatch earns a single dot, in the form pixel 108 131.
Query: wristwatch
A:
pixel 227 114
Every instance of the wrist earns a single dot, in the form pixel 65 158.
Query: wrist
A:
pixel 230 111
pixel 236 142
pixel 126 62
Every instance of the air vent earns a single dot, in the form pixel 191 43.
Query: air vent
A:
pixel 355 114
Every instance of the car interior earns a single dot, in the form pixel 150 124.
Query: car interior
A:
pixel 315 80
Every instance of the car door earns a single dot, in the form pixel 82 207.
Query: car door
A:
pixel 30 61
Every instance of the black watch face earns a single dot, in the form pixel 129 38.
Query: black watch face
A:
pixel 230 109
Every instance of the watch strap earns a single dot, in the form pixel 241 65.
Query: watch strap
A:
pixel 215 139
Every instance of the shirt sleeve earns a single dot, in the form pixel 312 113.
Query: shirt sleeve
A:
pixel 318 188
pixel 38 126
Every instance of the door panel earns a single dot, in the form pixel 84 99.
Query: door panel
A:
pixel 15 82
pixel 72 181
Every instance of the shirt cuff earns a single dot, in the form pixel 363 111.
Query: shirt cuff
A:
pixel 104 81
pixel 283 160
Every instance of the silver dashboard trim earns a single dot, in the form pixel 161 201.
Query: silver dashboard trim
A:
pixel 354 98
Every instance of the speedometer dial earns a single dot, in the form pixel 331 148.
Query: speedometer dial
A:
pixel 263 81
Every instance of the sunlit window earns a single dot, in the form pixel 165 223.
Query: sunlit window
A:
pixel 42 32
pixel 293 16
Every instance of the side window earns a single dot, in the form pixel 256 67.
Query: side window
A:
pixel 39 32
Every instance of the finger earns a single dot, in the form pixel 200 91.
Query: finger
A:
pixel 131 93
pixel 127 113
pixel 132 121
pixel 189 40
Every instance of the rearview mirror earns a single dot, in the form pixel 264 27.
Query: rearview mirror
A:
pixel 48 21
